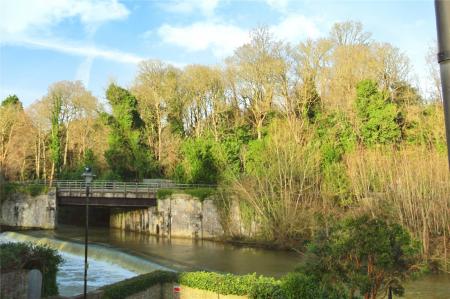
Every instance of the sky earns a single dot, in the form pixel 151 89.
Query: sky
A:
pixel 97 41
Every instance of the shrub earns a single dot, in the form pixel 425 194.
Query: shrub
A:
pixel 299 285
pixel 28 256
pixel 259 287
pixel 200 193
pixel 164 193
pixel 30 189
pixel 125 288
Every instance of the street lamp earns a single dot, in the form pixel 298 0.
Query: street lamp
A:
pixel 442 8
pixel 88 177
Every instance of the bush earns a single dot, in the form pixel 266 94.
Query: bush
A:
pixel 258 287
pixel 164 193
pixel 200 193
pixel 299 285
pixel 15 256
pixel 30 189
pixel 134 285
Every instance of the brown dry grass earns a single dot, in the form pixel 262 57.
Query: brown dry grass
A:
pixel 411 186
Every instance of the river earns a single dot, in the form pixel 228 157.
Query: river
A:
pixel 115 255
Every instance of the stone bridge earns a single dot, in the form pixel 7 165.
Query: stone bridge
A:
pixel 112 193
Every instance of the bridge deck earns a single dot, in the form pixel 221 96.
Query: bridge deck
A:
pixel 113 194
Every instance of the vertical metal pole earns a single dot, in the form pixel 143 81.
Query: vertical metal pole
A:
pixel 442 8
pixel 86 241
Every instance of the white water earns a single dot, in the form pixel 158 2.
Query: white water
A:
pixel 106 265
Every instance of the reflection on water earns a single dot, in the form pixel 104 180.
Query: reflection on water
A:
pixel 429 287
pixel 184 254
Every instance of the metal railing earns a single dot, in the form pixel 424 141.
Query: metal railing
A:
pixel 115 185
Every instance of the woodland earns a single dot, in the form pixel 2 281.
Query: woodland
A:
pixel 302 135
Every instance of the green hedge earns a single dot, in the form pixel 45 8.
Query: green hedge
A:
pixel 15 256
pixel 200 193
pixel 292 286
pixel 255 286
pixel 137 284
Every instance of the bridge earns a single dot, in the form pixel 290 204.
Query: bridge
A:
pixel 114 193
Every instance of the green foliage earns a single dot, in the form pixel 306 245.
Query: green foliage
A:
pixel 310 101
pixel 232 143
pixel 55 141
pixel 336 137
pixel 336 184
pixel 128 287
pixel 26 188
pixel 12 100
pixel 127 155
pixel 228 284
pixel 255 156
pixel 75 173
pixel 201 193
pixel 164 193
pixel 363 254
pixel 15 256
pixel 299 285
pixel 379 118
pixel 203 161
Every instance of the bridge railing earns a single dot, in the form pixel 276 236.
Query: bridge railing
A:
pixel 116 186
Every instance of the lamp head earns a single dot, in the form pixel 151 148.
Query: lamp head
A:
pixel 88 175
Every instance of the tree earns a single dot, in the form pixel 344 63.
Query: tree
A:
pixel 366 255
pixel 259 68
pixel 55 145
pixel 379 118
pixel 203 88
pixel 70 103
pixel 127 155
pixel 155 89
pixel 12 100
pixel 203 161
pixel 15 135
pixel 349 33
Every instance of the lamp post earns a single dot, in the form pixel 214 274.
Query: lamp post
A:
pixel 88 177
pixel 442 8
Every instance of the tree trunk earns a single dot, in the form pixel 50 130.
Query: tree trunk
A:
pixel 52 174
pixel 44 165
pixel 66 146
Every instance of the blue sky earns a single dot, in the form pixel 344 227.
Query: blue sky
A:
pixel 44 41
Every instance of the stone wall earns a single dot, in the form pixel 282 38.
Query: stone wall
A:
pixel 14 285
pixel 163 291
pixel 26 211
pixel 181 215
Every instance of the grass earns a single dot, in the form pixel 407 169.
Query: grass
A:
pixel 200 193
pixel 30 189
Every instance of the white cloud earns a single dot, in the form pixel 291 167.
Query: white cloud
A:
pixel 221 39
pixel 77 49
pixel 207 7
pixel 84 70
pixel 25 16
pixel 294 28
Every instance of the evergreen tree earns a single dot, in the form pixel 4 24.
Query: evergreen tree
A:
pixel 379 118
pixel 127 155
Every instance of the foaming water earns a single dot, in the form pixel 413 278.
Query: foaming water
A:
pixel 96 252
pixel 106 265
